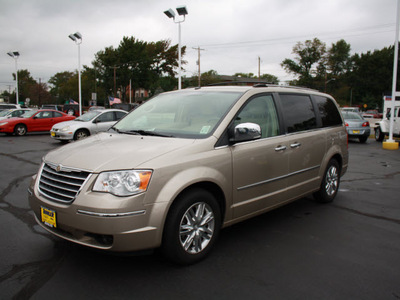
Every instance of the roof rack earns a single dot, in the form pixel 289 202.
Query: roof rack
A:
pixel 237 83
pixel 284 86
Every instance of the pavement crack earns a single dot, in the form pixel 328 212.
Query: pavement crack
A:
pixel 367 214
pixel 15 157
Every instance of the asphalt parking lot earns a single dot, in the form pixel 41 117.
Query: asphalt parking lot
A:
pixel 349 249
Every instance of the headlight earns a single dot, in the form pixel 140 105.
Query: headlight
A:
pixel 66 128
pixel 4 123
pixel 123 183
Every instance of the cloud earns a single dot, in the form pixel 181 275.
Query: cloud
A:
pixel 232 33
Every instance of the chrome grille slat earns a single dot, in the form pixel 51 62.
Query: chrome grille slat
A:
pixel 61 186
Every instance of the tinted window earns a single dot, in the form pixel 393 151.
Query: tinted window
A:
pixel 298 112
pixel 106 117
pixel 329 113
pixel 57 114
pixel 260 110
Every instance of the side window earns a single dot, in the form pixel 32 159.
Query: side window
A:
pixel 44 115
pixel 106 117
pixel 260 110
pixel 328 110
pixel 119 115
pixel 298 112
pixel 57 115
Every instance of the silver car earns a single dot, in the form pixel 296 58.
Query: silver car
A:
pixel 356 126
pixel 187 163
pixel 88 124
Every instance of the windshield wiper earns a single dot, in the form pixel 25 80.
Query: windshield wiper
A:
pixel 146 132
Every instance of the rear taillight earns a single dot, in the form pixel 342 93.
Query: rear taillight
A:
pixel 365 124
pixel 347 124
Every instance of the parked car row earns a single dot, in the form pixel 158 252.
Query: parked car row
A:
pixel 62 126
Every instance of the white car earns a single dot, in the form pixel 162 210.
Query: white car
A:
pixel 88 124
pixel 12 113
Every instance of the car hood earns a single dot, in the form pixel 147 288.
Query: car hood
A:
pixel 110 151
pixel 71 123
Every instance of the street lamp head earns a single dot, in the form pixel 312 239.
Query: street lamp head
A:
pixel 182 10
pixel 72 37
pixel 75 36
pixel 170 13
pixel 78 35
pixel 13 54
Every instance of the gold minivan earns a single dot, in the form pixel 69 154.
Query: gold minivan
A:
pixel 187 163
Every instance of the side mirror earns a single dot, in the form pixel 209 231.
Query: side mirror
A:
pixel 246 132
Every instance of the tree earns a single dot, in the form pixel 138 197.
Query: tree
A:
pixel 309 62
pixel 139 62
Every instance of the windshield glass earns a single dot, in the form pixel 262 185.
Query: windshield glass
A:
pixel 187 114
pixel 351 116
pixel 88 116
pixel 4 113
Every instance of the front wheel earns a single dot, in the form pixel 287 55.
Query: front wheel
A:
pixel 330 183
pixel 192 227
pixel 20 130
pixel 379 135
pixel 81 134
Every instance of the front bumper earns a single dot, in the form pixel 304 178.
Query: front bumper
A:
pixel 62 135
pixel 102 221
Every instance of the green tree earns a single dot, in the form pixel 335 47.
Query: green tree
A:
pixel 309 62
pixel 142 63
pixel 25 83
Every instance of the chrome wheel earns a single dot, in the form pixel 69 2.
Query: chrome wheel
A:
pixel 196 228
pixel 331 181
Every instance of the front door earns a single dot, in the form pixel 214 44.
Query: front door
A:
pixel 259 167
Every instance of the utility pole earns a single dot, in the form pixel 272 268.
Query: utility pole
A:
pixel 259 67
pixel 115 80
pixel 198 62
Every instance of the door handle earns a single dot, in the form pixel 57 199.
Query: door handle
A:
pixel 295 145
pixel 280 148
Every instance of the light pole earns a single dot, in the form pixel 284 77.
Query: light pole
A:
pixel 182 11
pixel 15 55
pixel 77 38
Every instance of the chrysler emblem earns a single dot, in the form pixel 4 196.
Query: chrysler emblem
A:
pixel 58 168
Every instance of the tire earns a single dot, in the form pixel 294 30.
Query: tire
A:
pixel 379 135
pixel 81 134
pixel 20 130
pixel 363 139
pixel 71 112
pixel 192 227
pixel 330 183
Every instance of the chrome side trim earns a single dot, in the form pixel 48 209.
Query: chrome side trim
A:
pixel 111 215
pixel 277 178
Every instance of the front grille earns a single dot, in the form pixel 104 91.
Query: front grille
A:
pixel 61 184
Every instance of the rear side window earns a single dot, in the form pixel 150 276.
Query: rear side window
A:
pixel 298 112
pixel 330 115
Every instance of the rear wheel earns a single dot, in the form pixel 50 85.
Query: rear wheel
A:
pixel 330 183
pixel 192 227
pixel 379 135
pixel 20 130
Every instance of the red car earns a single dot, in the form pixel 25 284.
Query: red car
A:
pixel 35 120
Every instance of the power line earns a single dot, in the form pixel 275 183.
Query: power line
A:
pixel 352 32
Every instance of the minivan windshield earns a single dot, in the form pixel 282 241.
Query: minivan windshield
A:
pixel 186 114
